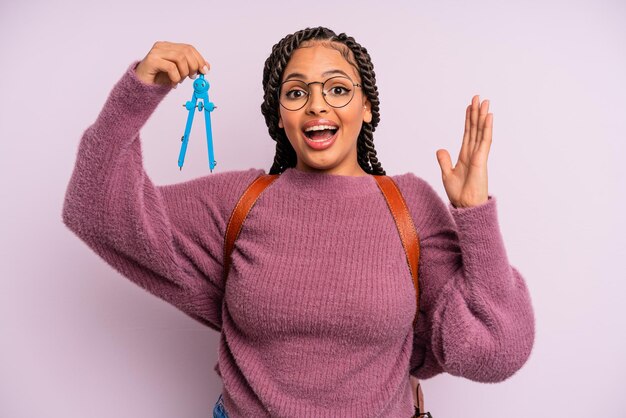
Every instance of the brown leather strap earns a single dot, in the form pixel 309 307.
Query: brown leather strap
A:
pixel 393 196
pixel 410 242
pixel 245 203
pixel 404 223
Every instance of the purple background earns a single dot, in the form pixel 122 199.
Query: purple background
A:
pixel 79 340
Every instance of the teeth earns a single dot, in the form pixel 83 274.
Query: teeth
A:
pixel 319 128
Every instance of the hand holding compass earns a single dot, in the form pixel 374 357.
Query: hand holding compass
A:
pixel 170 63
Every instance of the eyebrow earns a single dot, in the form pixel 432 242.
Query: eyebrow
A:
pixel 329 72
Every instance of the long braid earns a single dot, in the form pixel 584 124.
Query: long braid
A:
pixel 272 73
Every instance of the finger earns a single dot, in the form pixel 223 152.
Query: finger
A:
pixel 182 59
pixel 473 124
pixel 201 62
pixel 485 144
pixel 443 157
pixel 168 64
pixel 192 60
pixel 195 66
pixel 173 72
pixel 464 153
pixel 168 67
pixel 179 58
pixel 484 109
pixel 196 62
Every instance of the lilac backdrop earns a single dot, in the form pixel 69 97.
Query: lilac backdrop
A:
pixel 79 340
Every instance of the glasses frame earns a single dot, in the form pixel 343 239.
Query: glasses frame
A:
pixel 323 93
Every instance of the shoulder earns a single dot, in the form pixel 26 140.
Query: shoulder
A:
pixel 220 190
pixel 426 206
pixel 231 180
pixel 416 189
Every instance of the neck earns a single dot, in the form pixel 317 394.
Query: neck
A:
pixel 352 172
pixel 316 184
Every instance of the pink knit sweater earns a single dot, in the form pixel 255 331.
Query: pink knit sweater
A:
pixel 316 314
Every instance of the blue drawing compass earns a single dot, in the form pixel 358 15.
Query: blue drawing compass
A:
pixel 200 91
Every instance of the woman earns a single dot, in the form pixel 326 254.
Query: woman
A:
pixel 316 314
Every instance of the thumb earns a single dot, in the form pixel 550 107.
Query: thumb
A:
pixel 443 157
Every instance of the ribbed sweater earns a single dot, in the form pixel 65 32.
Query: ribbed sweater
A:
pixel 315 316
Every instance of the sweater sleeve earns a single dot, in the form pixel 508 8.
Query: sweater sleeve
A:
pixel 166 239
pixel 476 318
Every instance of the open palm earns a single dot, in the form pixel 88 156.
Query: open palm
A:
pixel 466 182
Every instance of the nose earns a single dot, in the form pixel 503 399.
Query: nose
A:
pixel 316 103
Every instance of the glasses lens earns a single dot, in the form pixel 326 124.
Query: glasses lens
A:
pixel 339 91
pixel 293 94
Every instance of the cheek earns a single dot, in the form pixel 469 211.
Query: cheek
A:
pixel 352 118
pixel 286 120
pixel 292 128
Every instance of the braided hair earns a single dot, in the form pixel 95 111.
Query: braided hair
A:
pixel 272 74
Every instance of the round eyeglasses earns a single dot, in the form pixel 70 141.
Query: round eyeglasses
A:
pixel 337 92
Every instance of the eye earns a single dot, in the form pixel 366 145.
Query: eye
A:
pixel 295 94
pixel 339 90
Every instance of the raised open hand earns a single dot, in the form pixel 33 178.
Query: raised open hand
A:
pixel 466 183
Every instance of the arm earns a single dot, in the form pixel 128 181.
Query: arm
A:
pixel 476 318
pixel 169 239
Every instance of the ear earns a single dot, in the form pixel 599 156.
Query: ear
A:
pixel 367 111
pixel 280 122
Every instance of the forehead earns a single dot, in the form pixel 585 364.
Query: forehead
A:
pixel 313 60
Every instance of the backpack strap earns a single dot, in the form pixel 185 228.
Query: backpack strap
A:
pixel 243 206
pixel 393 196
pixel 408 234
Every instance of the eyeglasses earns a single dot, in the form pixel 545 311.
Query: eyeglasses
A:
pixel 418 413
pixel 337 92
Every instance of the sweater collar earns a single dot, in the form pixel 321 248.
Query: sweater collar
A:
pixel 316 184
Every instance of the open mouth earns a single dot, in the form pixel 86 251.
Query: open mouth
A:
pixel 321 135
